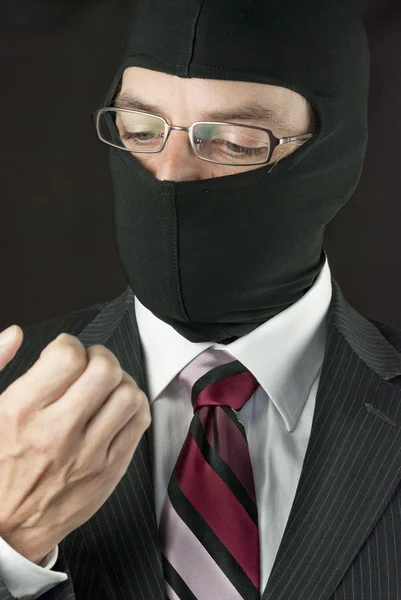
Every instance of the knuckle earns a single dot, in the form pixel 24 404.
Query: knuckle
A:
pixel 44 440
pixel 146 420
pixel 13 415
pixel 142 398
pixel 144 413
pixel 147 416
pixel 127 393
pixel 65 338
pixel 61 340
pixel 105 366
pixel 46 444
pixel 69 357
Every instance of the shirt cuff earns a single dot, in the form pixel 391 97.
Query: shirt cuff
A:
pixel 25 578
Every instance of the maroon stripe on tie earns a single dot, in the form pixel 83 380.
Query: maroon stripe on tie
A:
pixel 231 447
pixel 219 507
pixel 233 391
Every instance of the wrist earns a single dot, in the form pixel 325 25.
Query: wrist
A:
pixel 31 550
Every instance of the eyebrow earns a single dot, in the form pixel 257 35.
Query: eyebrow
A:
pixel 252 112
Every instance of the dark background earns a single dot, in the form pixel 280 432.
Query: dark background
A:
pixel 57 62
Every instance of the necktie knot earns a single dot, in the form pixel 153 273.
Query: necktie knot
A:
pixel 216 378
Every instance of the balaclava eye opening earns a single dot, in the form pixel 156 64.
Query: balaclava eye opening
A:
pixel 216 258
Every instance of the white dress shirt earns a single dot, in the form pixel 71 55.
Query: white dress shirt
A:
pixel 285 354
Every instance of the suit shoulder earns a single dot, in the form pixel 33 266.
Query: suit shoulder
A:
pixel 38 336
pixel 72 323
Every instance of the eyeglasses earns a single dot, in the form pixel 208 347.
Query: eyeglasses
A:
pixel 221 143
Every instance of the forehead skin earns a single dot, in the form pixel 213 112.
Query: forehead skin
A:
pixel 184 101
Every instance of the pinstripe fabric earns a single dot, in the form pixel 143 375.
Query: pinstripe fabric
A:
pixel 343 536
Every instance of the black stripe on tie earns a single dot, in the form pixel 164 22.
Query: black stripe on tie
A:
pixel 205 534
pixel 222 468
pixel 232 414
pixel 176 582
pixel 214 375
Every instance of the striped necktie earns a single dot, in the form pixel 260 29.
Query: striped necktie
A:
pixel 209 523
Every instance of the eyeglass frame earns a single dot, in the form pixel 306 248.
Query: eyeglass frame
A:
pixel 274 141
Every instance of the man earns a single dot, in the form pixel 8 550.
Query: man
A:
pixel 272 465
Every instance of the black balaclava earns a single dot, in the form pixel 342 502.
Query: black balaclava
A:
pixel 216 258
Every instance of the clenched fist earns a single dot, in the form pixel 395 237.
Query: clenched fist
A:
pixel 68 430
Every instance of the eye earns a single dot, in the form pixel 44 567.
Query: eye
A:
pixel 236 149
pixel 142 136
pixel 142 140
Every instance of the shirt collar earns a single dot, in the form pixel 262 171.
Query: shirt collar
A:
pixel 284 354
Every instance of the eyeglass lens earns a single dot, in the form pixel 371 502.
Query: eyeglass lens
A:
pixel 222 143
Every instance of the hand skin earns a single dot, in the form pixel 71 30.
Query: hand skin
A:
pixel 69 428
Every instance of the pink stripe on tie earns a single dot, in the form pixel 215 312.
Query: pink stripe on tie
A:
pixel 192 561
pixel 202 364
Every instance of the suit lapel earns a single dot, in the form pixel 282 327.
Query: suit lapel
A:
pixel 351 468
pixel 352 464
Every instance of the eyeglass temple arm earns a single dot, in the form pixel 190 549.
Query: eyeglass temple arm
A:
pixel 296 138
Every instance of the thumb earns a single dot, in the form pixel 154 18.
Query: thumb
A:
pixel 10 342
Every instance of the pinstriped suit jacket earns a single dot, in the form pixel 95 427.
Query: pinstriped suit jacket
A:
pixel 343 536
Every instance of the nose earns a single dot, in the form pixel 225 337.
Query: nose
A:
pixel 177 162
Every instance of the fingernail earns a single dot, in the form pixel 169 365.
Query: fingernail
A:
pixel 7 336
